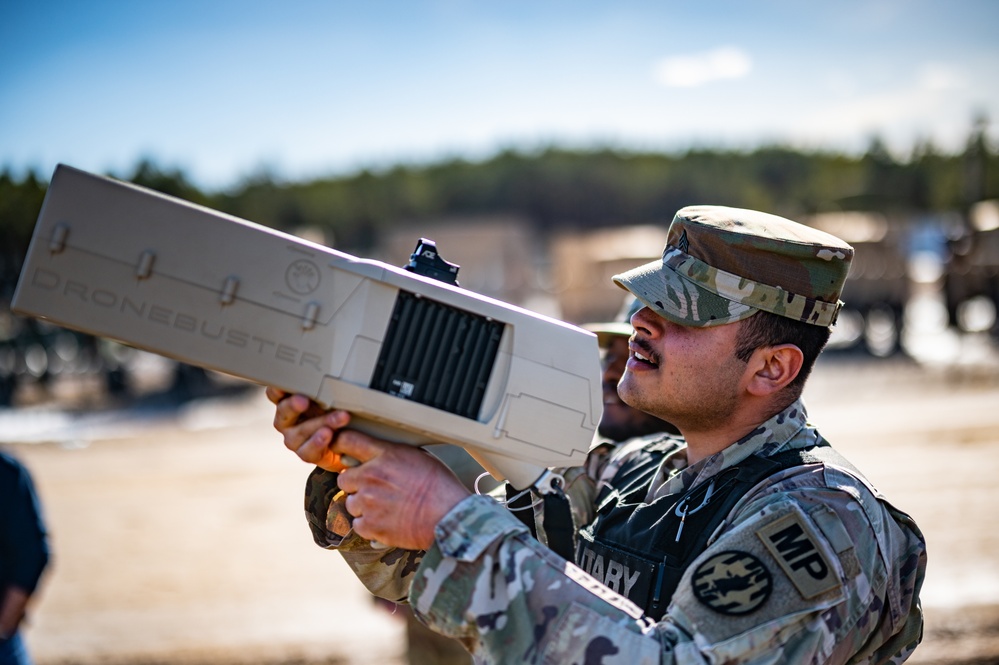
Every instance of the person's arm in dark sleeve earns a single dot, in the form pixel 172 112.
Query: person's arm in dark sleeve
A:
pixel 25 541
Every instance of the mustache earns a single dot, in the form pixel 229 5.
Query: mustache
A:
pixel 646 349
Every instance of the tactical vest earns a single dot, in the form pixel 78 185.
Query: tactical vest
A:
pixel 640 550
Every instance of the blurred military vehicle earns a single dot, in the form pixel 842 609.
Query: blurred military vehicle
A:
pixel 971 277
pixel 41 363
pixel 33 354
pixel 878 286
pixel 583 262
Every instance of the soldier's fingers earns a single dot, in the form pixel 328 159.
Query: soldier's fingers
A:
pixel 275 395
pixel 353 505
pixel 289 411
pixel 360 526
pixel 314 434
pixel 358 445
pixel 315 448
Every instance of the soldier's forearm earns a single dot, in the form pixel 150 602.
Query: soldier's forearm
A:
pixel 487 582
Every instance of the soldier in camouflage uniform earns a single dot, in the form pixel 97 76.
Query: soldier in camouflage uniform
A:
pixel 623 432
pixel 755 543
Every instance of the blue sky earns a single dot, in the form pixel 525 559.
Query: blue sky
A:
pixel 225 88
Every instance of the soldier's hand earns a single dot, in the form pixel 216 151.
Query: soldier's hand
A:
pixel 307 429
pixel 398 493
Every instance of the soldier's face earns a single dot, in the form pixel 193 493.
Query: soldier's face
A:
pixel 688 376
pixel 620 421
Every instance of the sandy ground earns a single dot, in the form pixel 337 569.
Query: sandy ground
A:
pixel 180 538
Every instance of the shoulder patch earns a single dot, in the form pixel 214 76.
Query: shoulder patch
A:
pixel 732 582
pixel 792 540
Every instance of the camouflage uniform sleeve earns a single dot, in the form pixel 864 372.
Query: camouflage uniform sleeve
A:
pixel 386 573
pixel 508 598
pixel 803 574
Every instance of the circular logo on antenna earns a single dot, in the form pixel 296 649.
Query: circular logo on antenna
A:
pixel 302 277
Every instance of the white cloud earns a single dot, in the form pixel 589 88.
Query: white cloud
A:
pixel 688 71
pixel 938 78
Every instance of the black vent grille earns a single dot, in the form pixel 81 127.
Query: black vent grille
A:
pixel 437 355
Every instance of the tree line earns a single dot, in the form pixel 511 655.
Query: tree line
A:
pixel 559 189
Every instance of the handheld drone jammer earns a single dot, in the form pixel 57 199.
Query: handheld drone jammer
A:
pixel 413 358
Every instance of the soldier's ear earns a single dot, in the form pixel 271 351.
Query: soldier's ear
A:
pixel 774 367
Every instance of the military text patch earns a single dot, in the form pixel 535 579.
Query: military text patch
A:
pixel 626 575
pixel 792 542
pixel 732 583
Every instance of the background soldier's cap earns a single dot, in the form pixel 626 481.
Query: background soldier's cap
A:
pixel 620 327
pixel 723 264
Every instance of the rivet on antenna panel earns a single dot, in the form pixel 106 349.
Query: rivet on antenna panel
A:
pixel 311 312
pixel 229 290
pixel 57 242
pixel 145 267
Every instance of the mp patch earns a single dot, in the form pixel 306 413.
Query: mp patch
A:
pixel 792 542
pixel 732 583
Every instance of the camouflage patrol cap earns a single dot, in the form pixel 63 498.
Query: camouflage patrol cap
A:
pixel 722 265
pixel 620 327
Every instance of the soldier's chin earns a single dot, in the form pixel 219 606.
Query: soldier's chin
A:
pixel 624 387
